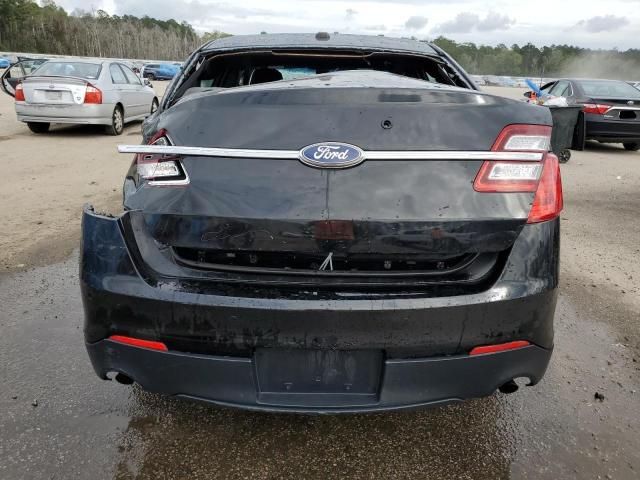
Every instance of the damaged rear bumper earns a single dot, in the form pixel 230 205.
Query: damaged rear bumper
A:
pixel 405 383
pixel 214 333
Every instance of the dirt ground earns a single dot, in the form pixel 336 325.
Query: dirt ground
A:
pixel 47 178
pixel 58 420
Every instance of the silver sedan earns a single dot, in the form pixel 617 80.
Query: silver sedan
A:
pixel 81 91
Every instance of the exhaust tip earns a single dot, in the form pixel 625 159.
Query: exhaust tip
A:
pixel 125 380
pixel 509 387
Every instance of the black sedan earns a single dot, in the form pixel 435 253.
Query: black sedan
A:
pixel 328 223
pixel 611 108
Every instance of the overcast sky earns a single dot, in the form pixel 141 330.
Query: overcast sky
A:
pixel 587 23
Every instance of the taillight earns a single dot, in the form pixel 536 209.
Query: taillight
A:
pixel 597 108
pixel 158 168
pixel 547 203
pixel 498 176
pixel 510 176
pixel 92 94
pixel 19 96
pixel 523 138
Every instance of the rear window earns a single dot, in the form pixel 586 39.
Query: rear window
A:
pixel 70 69
pixel 601 88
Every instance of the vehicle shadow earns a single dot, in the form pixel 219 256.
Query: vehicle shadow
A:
pixel 74 131
pixel 170 438
pixel 613 148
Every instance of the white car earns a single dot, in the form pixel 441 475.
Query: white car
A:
pixel 80 91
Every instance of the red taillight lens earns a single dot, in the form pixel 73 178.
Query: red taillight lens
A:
pixel 541 177
pixel 92 95
pixel 501 347
pixel 138 342
pixel 548 202
pixel 597 108
pixel 19 93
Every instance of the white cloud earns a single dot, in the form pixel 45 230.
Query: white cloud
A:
pixel 416 22
pixel 480 21
pixel 604 23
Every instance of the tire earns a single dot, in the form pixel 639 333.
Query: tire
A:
pixel 154 106
pixel 117 122
pixel 38 127
pixel 633 147
pixel 564 156
pixel 149 76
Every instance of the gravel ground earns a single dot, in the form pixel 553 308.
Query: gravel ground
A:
pixel 59 421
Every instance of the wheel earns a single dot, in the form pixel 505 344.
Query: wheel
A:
pixel 565 155
pixel 149 76
pixel 38 127
pixel 154 106
pixel 117 122
pixel 634 147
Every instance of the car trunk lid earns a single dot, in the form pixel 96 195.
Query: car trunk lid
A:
pixel 54 90
pixel 393 214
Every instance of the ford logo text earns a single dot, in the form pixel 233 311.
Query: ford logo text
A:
pixel 331 155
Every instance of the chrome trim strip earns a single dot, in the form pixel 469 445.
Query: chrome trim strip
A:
pixel 623 107
pixel 295 154
pixel 451 155
pixel 209 151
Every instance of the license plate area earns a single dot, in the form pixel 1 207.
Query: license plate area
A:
pixel 53 95
pixel 318 378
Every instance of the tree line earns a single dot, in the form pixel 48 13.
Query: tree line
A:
pixel 26 26
pixel 548 61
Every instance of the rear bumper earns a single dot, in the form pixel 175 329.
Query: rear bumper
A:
pixel 406 383
pixel 213 331
pixel 612 131
pixel 75 114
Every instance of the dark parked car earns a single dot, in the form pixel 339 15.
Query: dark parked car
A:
pixel 611 108
pixel 372 233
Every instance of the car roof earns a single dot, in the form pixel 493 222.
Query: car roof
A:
pixel 77 60
pixel 312 41
pixel 589 80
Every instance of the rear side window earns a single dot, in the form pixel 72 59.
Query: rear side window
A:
pixel 70 69
pixel 131 77
pixel 604 88
pixel 117 75
pixel 560 89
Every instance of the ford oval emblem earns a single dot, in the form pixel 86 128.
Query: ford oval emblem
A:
pixel 331 155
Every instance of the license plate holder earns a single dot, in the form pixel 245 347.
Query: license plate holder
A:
pixel 52 95
pixel 318 378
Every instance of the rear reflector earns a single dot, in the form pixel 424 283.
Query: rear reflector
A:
pixel 92 95
pixel 138 342
pixel 597 108
pixel 547 203
pixel 500 347
pixel 19 93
